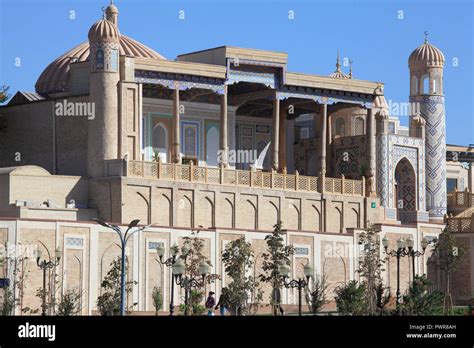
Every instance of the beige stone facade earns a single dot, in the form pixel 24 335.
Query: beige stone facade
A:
pixel 158 146
pixel 88 250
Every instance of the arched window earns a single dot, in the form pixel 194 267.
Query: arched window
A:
pixel 114 56
pixel 436 85
pixel 99 59
pixel 359 126
pixel 426 85
pixel 340 127
pixel 212 146
pixel 160 141
pixel 414 85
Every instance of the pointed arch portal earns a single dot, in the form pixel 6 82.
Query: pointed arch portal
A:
pixel 405 188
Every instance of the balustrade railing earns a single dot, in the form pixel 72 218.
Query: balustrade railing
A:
pixel 461 224
pixel 460 199
pixel 224 176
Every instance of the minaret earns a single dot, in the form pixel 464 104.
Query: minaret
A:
pixel 426 65
pixel 104 41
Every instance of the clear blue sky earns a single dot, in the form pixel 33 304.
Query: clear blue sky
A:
pixel 369 32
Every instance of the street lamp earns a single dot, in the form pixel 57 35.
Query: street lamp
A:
pixel 398 253
pixel 169 262
pixel 45 265
pixel 186 282
pixel 412 253
pixel 123 240
pixel 297 283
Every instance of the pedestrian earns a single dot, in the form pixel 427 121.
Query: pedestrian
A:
pixel 223 302
pixel 210 303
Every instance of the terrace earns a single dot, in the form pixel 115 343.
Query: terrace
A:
pixel 244 178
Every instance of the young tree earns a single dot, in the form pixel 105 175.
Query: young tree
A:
pixel 8 303
pixel 16 269
pixel 449 253
pixel 192 254
pixel 157 296
pixel 370 270
pixel 238 261
pixel 109 302
pixel 278 255
pixel 317 296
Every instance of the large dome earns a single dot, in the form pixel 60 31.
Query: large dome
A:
pixel 55 77
pixel 426 56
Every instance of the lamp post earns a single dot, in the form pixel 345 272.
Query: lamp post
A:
pixel 124 237
pixel 169 262
pixel 299 283
pixel 412 253
pixel 186 282
pixel 398 253
pixel 45 265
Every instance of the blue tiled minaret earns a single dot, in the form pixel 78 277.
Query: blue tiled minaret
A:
pixel 426 65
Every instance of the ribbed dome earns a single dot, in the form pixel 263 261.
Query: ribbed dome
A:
pixel 338 74
pixel 55 77
pixel 104 30
pixel 426 56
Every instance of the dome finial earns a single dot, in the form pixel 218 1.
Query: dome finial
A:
pixel 350 68
pixel 338 74
pixel 338 64
pixel 426 36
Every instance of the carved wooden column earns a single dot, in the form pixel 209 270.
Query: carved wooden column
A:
pixel 224 146
pixel 323 132
pixel 176 127
pixel 276 131
pixel 371 152
pixel 470 179
pixel 328 141
pixel 282 139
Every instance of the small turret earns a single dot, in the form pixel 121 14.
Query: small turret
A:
pixel 104 41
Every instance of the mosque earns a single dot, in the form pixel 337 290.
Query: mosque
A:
pixel 226 141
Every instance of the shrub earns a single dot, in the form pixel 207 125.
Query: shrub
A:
pixel 350 298
pixel 69 304
pixel 157 296
pixel 419 301
pixel 317 297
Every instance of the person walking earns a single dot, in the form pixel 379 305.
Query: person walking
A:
pixel 210 303
pixel 223 302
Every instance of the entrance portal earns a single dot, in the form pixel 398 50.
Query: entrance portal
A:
pixel 405 190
